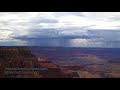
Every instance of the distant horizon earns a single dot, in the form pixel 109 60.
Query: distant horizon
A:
pixel 60 47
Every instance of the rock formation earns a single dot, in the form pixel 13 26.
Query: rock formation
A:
pixel 18 62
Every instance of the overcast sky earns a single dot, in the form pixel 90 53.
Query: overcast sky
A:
pixel 64 29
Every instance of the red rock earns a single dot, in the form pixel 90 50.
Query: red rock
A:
pixel 18 57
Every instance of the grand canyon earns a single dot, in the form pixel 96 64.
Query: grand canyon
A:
pixel 59 62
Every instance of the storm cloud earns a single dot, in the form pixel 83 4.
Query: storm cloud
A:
pixel 63 29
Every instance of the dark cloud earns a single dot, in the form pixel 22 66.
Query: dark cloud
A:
pixel 110 38
pixel 50 39
pixel 45 41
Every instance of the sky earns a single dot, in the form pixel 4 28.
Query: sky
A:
pixel 60 29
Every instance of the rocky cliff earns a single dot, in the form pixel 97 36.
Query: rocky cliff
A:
pixel 18 62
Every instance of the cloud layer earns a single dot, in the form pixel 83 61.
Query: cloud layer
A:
pixel 67 29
